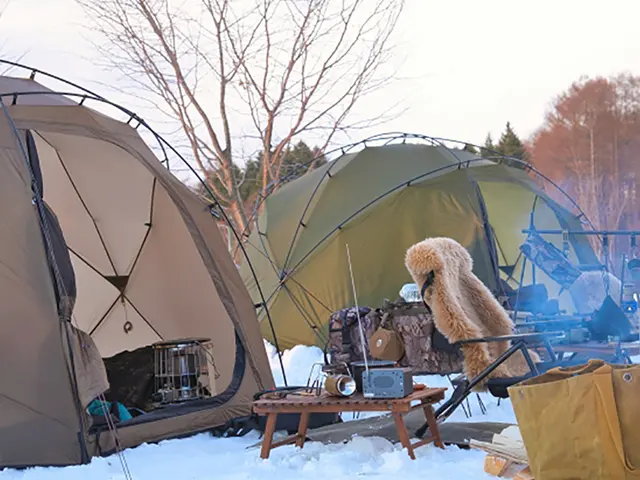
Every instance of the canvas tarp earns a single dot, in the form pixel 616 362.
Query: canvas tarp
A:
pixel 150 264
pixel 380 201
pixel 90 371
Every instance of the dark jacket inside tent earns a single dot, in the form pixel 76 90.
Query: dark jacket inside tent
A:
pixel 102 251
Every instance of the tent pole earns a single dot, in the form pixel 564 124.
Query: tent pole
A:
pixel 385 136
pixel 88 94
pixel 488 233
pixel 517 304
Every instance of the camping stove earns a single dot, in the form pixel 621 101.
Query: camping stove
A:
pixel 182 370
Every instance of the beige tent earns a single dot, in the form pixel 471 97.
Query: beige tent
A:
pixel 147 263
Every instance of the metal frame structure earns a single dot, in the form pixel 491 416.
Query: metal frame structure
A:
pixel 466 386
pixel 84 95
pixel 603 236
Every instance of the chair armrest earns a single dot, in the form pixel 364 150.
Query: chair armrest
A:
pixel 534 337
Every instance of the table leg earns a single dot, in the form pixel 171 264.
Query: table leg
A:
pixel 433 424
pixel 268 435
pixel 302 429
pixel 403 435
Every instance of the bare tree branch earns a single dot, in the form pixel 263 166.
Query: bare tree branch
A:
pixel 255 72
pixel 588 144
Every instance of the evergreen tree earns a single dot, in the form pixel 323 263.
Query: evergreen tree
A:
pixel 489 148
pixel 300 159
pixel 296 161
pixel 510 145
pixel 251 181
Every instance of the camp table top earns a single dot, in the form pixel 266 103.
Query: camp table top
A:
pixel 325 403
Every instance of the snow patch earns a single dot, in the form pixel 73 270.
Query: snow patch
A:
pixel 297 363
pixel 203 457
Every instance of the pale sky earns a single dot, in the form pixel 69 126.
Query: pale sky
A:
pixel 467 66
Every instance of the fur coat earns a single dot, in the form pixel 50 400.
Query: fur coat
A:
pixel 463 306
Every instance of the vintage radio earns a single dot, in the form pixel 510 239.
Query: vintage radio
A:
pixel 387 383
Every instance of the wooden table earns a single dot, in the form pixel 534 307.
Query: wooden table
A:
pixel 306 405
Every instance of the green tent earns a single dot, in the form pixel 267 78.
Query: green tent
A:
pixel 379 201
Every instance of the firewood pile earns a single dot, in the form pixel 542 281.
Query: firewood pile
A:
pixel 506 455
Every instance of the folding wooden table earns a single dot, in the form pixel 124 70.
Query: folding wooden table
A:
pixel 324 403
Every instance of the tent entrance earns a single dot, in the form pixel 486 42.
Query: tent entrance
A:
pixel 132 383
pixel 146 262
pixel 117 268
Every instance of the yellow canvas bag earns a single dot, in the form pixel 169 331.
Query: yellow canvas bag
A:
pixel 581 422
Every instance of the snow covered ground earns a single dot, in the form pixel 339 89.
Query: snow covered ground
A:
pixel 203 457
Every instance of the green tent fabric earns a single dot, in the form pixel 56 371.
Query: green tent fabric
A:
pixel 379 201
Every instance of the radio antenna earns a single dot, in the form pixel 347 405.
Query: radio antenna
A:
pixel 355 298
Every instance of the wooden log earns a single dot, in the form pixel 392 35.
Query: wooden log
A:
pixel 504 468
pixel 507 444
pixel 506 454
pixel 496 466
pixel 510 452
pixel 524 474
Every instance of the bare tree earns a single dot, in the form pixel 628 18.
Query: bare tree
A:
pixel 589 143
pixel 250 72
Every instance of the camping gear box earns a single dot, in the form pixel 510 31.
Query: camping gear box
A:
pixel 344 345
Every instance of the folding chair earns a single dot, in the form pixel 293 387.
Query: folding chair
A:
pixel 498 386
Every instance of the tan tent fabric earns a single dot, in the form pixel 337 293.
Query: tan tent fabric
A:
pixel 38 418
pixel 91 373
pixel 149 261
